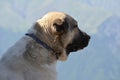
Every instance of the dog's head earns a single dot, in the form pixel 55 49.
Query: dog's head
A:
pixel 63 34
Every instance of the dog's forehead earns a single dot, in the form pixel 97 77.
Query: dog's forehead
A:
pixel 59 15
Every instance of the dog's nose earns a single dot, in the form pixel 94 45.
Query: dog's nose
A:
pixel 85 35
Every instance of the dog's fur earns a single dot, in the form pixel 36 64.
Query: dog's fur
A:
pixel 28 60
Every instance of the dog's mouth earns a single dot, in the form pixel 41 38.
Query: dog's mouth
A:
pixel 77 45
pixel 71 48
pixel 74 48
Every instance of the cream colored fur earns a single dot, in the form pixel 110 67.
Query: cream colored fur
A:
pixel 28 60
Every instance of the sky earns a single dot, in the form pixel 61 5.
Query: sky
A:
pixel 99 18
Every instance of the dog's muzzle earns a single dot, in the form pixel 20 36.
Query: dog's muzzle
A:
pixel 80 41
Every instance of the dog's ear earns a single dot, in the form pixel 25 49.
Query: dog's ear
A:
pixel 60 26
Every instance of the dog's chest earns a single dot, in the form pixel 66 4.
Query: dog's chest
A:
pixel 46 72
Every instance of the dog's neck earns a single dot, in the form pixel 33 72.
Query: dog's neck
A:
pixel 43 33
pixel 39 41
pixel 38 55
pixel 43 44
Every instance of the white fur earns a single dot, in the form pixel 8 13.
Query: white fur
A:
pixel 14 67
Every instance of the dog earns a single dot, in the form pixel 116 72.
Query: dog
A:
pixel 35 55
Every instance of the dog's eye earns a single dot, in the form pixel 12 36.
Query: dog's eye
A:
pixel 75 26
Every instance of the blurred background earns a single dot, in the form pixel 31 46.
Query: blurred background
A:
pixel 99 18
